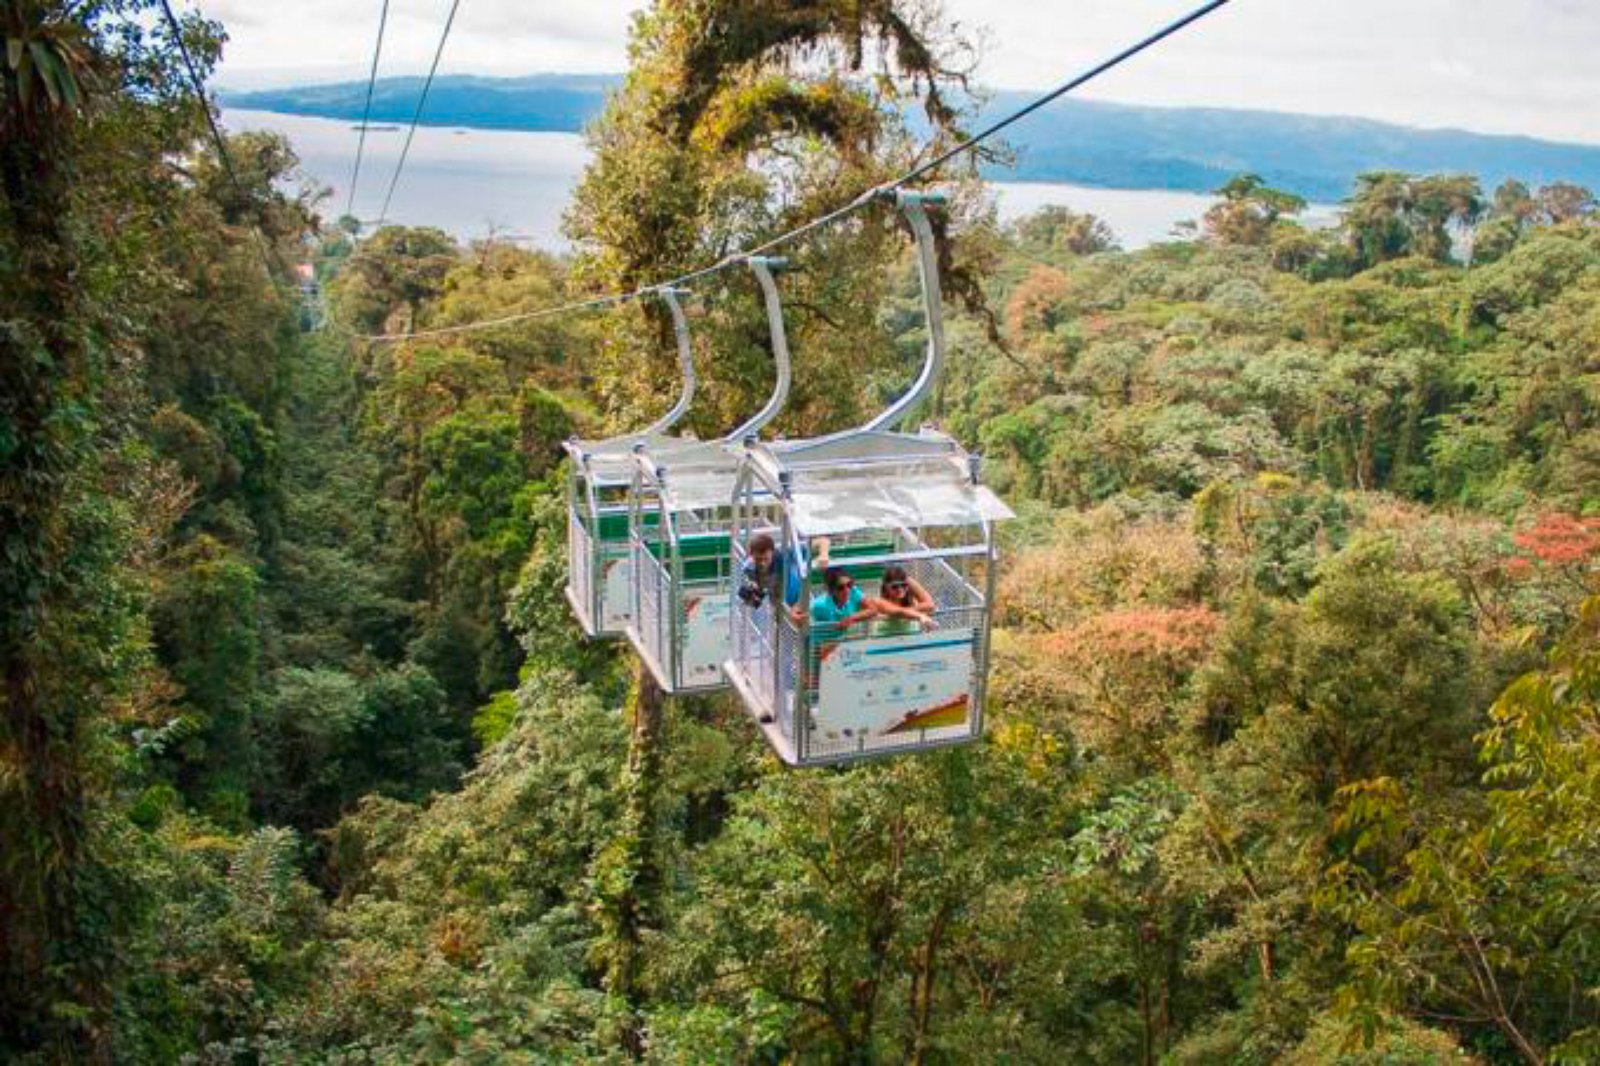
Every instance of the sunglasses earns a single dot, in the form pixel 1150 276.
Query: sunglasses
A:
pixel 896 585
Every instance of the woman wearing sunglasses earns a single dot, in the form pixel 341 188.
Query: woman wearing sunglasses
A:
pixel 841 606
pixel 902 606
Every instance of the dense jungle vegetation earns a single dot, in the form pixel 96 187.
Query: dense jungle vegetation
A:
pixel 1294 746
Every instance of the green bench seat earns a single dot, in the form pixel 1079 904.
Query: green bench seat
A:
pixel 613 526
pixel 704 553
pixel 841 554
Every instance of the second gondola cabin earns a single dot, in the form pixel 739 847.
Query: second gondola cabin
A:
pixel 681 531
pixel 599 560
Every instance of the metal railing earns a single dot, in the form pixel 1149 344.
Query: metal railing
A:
pixel 652 604
pixel 753 647
pixel 580 570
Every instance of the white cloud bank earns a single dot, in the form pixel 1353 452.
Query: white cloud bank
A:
pixel 1502 66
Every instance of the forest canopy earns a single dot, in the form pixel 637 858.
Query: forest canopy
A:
pixel 1293 739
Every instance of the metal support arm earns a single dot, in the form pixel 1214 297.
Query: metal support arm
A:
pixel 763 267
pixel 914 205
pixel 680 328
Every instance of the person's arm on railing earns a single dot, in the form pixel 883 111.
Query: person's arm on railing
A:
pixel 886 608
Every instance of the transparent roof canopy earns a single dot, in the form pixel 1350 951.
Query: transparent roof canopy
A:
pixel 611 461
pixel 880 480
pixel 695 475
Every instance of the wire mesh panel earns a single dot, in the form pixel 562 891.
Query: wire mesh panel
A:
pixel 701 606
pixel 580 570
pixel 787 641
pixel 613 577
pixel 683 573
pixel 753 652
pixel 681 628
pixel 598 557
pixel 651 630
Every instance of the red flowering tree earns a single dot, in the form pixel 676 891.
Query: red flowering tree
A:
pixel 1561 541
pixel 1556 560
pixel 1124 672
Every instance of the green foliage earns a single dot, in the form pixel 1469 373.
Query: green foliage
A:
pixel 385 281
pixel 1395 1042
pixel 856 914
pixel 1249 210
pixel 463 928
pixel 1058 229
pixel 328 738
pixel 207 627
pixel 475 470
pixel 1283 526
pixel 1172 368
pixel 1299 503
pixel 1493 913
pixel 231 930
pixel 1392 215
pixel 494 719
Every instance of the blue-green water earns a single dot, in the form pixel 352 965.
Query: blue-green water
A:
pixel 470 182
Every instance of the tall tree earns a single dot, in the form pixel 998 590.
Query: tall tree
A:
pixel 735 119
pixel 1495 921
pixel 1391 214
pixel 46 72
pixel 1248 210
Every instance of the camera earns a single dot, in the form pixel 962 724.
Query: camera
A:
pixel 752 593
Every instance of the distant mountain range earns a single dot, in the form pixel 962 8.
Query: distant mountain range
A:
pixel 557 103
pixel 1083 142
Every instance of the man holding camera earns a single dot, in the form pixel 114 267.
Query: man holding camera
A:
pixel 763 574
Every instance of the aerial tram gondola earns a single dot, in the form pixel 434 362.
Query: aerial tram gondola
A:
pixel 600 584
pixel 660 529
pixel 680 532
pixel 882 498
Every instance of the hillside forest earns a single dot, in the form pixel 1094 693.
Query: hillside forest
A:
pixel 1293 746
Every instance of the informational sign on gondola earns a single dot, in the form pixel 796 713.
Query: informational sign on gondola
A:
pixel 894 686
pixel 706 629
pixel 616 590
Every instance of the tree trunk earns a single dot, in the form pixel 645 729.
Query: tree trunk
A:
pixel 923 979
pixel 628 872
pixel 45 962
pixel 1146 1025
pixel 881 926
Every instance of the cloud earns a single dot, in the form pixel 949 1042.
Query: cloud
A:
pixel 271 42
pixel 1518 66
pixel 1514 66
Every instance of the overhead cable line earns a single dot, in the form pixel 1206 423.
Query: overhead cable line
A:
pixel 422 101
pixel 197 86
pixel 830 217
pixel 366 112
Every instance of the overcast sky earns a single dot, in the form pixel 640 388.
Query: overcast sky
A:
pixel 1503 66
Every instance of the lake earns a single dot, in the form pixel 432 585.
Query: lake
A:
pixel 469 181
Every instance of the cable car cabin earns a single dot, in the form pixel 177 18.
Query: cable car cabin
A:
pixel 680 532
pixel 600 582
pixel 599 566
pixel 822 694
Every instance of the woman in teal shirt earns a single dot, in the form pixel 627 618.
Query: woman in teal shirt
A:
pixel 843 605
